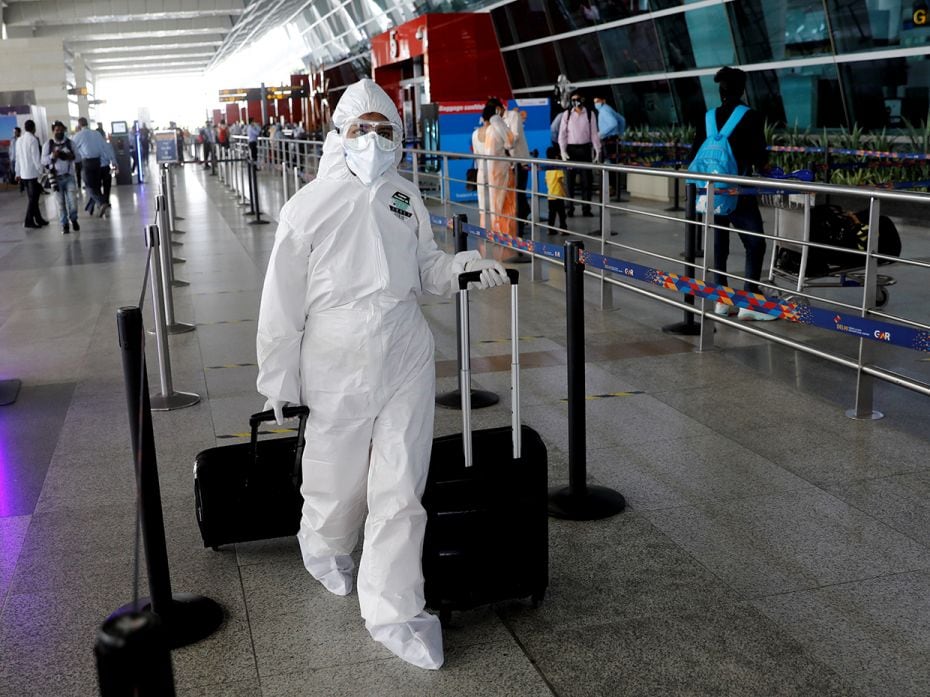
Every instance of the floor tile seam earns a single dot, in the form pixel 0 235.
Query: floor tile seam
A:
pixel 211 194
pixel 890 524
pixel 729 499
pixel 218 209
pixel 838 585
pixel 370 661
pixel 526 652
pixel 248 622
pixel 805 490
pixel 350 664
pixel 737 592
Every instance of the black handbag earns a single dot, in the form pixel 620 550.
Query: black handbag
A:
pixel 471 179
pixel 251 491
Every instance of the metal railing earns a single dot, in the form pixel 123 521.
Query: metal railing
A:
pixel 300 158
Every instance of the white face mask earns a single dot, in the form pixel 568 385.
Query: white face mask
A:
pixel 369 162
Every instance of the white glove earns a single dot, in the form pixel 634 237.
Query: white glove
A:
pixel 278 408
pixel 565 156
pixel 597 156
pixel 492 273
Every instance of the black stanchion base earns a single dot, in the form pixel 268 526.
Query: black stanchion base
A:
pixel 595 503
pixel 192 618
pixel 9 391
pixel 683 328
pixel 479 399
pixel 258 222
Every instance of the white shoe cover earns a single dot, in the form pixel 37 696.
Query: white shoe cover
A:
pixel 335 573
pixel 418 641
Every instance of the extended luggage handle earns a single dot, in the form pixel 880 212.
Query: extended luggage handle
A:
pixel 300 412
pixel 465 372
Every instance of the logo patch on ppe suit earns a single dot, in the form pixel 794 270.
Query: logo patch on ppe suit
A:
pixel 400 205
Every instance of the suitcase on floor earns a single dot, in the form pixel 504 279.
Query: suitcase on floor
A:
pixel 486 498
pixel 251 491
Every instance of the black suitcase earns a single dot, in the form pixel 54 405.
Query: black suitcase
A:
pixel 487 530
pixel 251 491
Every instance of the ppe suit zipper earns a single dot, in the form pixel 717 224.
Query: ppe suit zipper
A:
pixel 378 242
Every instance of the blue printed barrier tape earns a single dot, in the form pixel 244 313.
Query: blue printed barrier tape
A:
pixel 883 332
pixel 813 150
pixel 550 251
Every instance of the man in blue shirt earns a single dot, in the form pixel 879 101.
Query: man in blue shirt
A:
pixel 92 148
pixel 610 127
pixel 253 131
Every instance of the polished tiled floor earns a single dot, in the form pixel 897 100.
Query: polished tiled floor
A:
pixel 771 546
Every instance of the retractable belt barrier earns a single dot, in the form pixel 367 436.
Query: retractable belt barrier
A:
pixel 851 325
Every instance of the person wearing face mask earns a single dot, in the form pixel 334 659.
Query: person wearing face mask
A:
pixel 578 140
pixel 502 199
pixel 59 154
pixel 340 331
pixel 610 128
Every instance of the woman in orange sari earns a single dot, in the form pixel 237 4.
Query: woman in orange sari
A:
pixel 502 197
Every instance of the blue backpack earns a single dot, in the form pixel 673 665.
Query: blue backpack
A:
pixel 716 157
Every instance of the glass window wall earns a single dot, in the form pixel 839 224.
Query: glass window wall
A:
pixel 630 50
pixel 765 30
pixel 540 64
pixel 883 93
pixel 582 59
pixel 696 39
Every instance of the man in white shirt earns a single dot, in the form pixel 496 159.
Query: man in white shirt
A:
pixel 28 170
pixel 17 133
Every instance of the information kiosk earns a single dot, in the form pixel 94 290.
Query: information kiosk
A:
pixel 122 147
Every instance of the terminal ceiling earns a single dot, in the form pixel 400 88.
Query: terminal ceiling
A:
pixel 137 37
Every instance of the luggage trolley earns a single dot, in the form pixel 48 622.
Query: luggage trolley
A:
pixel 792 227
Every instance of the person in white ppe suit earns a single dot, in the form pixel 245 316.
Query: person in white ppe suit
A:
pixel 340 330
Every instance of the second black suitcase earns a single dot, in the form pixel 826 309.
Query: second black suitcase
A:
pixel 251 491
pixel 486 498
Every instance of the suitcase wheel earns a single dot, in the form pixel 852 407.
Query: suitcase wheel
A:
pixel 215 548
pixel 537 598
pixel 445 616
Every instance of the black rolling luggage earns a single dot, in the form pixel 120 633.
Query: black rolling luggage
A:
pixel 487 521
pixel 251 491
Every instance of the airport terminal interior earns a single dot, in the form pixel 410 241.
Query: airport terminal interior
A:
pixel 735 506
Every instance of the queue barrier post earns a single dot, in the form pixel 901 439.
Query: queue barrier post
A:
pixel 676 203
pixel 453 398
pixel 172 207
pixel 133 656
pixel 163 212
pixel 284 172
pixel 187 618
pixel 538 268
pixel 164 250
pixel 579 500
pixel 168 399
pixel 688 327
pixel 254 188
pixel 606 289
pixel 240 183
pixel 865 383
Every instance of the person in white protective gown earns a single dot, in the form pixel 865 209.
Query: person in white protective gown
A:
pixel 340 330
